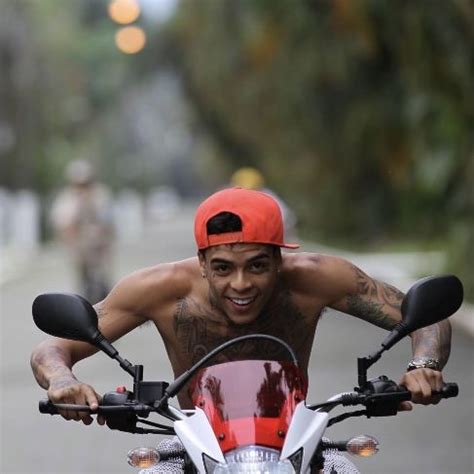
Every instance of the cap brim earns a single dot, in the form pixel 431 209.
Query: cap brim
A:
pixel 290 246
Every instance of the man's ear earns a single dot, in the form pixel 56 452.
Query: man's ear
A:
pixel 202 263
pixel 202 259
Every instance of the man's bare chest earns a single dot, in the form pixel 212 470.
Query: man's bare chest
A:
pixel 198 329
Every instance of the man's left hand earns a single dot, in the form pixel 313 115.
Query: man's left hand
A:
pixel 421 383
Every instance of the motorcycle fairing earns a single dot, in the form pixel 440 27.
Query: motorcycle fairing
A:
pixel 198 438
pixel 249 402
pixel 304 433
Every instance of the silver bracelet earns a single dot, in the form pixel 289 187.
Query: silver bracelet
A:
pixel 424 363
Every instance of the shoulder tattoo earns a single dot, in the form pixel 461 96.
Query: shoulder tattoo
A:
pixel 374 301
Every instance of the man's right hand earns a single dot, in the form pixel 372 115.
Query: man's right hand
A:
pixel 70 390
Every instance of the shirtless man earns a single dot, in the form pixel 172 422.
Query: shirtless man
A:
pixel 240 283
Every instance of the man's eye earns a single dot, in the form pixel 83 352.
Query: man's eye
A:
pixel 221 268
pixel 259 266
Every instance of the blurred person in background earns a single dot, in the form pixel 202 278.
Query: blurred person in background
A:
pixel 82 219
pixel 251 178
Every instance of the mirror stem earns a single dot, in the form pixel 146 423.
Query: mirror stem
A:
pixel 397 333
pixel 363 364
pixel 103 344
pixel 127 366
pixel 137 378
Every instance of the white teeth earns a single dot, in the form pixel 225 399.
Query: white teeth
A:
pixel 241 301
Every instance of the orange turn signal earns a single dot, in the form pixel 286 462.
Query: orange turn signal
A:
pixel 363 446
pixel 143 457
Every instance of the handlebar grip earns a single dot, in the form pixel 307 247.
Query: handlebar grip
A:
pixel 449 390
pixel 46 406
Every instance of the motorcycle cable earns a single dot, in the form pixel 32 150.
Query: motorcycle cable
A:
pixel 338 419
pixel 163 429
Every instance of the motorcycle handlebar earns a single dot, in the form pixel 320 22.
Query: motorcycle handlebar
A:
pixel 48 407
pixel 449 390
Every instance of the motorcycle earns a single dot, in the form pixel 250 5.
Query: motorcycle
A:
pixel 250 416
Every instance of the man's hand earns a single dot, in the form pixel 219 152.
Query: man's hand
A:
pixel 421 383
pixel 70 390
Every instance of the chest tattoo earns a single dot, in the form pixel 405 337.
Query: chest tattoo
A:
pixel 198 330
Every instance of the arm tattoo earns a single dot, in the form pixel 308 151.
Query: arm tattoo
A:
pixel 63 382
pixel 433 341
pixel 379 303
pixel 374 301
pixel 369 311
pixel 48 363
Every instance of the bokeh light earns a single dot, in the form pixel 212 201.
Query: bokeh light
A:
pixel 124 11
pixel 130 39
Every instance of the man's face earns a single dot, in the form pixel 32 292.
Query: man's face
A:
pixel 242 278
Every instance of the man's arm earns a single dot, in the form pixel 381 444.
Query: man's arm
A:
pixel 52 360
pixel 380 304
pixel 433 342
pixel 52 363
pixel 131 302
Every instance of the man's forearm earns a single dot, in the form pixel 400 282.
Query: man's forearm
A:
pixel 433 341
pixel 49 361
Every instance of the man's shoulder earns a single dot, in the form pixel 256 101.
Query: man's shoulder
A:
pixel 161 283
pixel 314 272
pixel 180 273
pixel 310 261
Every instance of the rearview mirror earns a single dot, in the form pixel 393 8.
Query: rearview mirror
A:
pixel 71 316
pixel 428 301
pixel 66 315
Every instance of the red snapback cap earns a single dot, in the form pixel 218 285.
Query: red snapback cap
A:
pixel 260 214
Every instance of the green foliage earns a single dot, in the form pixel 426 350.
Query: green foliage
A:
pixel 62 73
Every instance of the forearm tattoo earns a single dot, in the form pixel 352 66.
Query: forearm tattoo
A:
pixel 48 363
pixel 433 341
pixel 374 301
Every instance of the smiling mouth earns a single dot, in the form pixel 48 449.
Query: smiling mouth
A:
pixel 242 302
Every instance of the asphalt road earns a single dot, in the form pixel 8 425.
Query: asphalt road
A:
pixel 436 439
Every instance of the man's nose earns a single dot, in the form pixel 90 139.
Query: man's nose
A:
pixel 241 282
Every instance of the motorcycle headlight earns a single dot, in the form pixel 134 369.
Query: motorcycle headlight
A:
pixel 254 460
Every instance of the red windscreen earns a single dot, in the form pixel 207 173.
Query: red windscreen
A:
pixel 249 402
